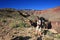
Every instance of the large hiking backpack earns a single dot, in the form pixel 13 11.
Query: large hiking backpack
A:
pixel 42 22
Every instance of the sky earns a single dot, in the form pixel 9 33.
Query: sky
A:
pixel 29 4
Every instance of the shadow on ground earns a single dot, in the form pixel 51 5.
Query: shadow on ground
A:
pixel 21 38
pixel 39 38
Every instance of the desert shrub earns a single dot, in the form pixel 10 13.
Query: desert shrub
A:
pixel 4 21
pixel 16 26
pixel 21 25
pixel 1 15
pixel 49 33
pixel 26 25
pixel 57 36
pixel 9 16
pixel 48 38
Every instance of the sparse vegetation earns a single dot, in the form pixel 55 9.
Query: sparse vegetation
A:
pixel 19 21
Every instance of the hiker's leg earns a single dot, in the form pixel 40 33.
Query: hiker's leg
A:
pixel 37 29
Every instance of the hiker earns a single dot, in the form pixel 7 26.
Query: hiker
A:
pixel 38 28
pixel 44 25
pixel 40 25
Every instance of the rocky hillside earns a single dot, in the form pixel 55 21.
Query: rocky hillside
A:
pixel 16 23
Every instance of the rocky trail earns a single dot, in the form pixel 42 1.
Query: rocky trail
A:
pixel 25 34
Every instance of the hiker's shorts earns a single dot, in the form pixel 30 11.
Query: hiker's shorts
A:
pixel 38 29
